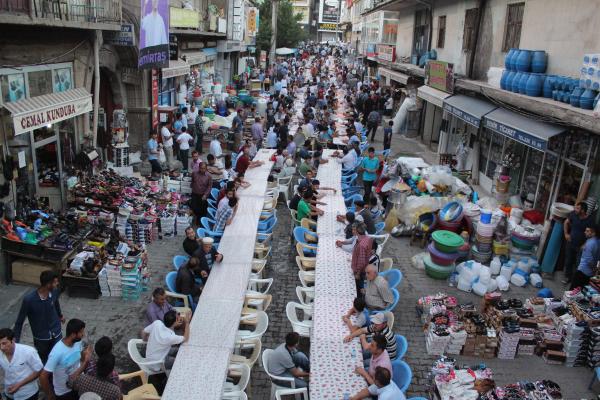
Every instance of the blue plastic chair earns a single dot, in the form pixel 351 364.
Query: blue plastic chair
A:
pixel 401 346
pixel 212 212
pixel 391 306
pixel 170 284
pixel 214 193
pixel 349 180
pixel 310 249
pixel 393 276
pixel 384 153
pixel 212 203
pixel 267 226
pixel 402 374
pixel 178 261
pixel 207 223
pixel 349 201
pixel 376 215
pixel 379 227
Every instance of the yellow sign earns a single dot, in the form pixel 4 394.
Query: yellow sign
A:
pixel 328 26
pixel 251 27
pixel 182 18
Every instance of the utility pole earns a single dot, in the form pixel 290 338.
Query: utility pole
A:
pixel 274 6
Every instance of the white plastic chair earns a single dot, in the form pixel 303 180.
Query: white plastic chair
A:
pixel 304 327
pixel 306 278
pixel 254 344
pixel 149 367
pixel 258 266
pixel 283 186
pixel 238 370
pixel 386 264
pixel 289 392
pixel 381 241
pixel 306 295
pixel 389 317
pixel 261 320
pixel 256 302
pixel 266 358
pixel 258 285
pixel 234 396
pixel 306 263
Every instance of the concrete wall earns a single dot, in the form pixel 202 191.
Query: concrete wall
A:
pixel 406 25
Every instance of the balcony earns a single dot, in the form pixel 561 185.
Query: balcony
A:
pixel 82 14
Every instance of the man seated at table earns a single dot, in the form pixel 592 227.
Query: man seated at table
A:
pixel 214 167
pixel 360 313
pixel 377 325
pixel 99 382
pixel 348 244
pixel 158 307
pixel 161 337
pixel 383 387
pixel 364 213
pixel 288 361
pixel 207 255
pixel 191 241
pixel 305 165
pixel 379 357
pixel 243 162
pixel 225 214
pixel 185 282
pixel 378 295
pixel 306 209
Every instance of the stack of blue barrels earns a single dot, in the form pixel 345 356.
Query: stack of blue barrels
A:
pixel 525 73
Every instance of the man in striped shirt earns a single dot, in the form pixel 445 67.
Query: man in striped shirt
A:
pixel 378 325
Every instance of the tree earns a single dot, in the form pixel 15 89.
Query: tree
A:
pixel 289 31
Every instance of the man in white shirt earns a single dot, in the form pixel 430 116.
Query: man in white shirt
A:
pixel 383 387
pixel 308 130
pixel 184 140
pixel 153 26
pixel 349 159
pixel 21 365
pixel 167 142
pixel 161 337
pixel 215 147
pixel 271 138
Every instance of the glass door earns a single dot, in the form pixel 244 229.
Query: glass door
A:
pixel 47 166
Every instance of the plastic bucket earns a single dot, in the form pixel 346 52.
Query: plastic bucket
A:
pixel 486 216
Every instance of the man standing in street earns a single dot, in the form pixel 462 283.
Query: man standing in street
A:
pixel 574 231
pixel 199 130
pixel 360 256
pixel 201 185
pixel 42 309
pixel 167 142
pixel 153 151
pixel 590 256
pixel 373 121
pixel 21 365
pixel 257 132
pixel 184 140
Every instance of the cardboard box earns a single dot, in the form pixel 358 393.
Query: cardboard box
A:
pixel 28 271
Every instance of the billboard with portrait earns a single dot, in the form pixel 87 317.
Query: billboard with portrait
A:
pixel 154 34
pixel 329 12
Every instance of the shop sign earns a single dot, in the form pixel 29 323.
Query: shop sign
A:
pixel 124 37
pixel 155 100
pixel 182 18
pixel 329 11
pixel 516 135
pixel 51 115
pixel 386 52
pixel 154 34
pixel 173 48
pixel 263 59
pixel 440 75
pixel 252 22
pixel 468 118
pixel 328 27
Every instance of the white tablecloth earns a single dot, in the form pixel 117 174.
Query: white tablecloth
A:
pixel 200 369
pixel 332 363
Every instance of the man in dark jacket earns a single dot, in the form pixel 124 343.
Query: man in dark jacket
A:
pixel 207 255
pixel 185 282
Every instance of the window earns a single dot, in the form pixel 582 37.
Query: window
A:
pixel 13 87
pixel 441 31
pixel 166 97
pixel 34 80
pixel 40 83
pixel 514 20
pixel 471 17
pixel 421 32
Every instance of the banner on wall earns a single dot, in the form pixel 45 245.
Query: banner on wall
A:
pixel 329 12
pixel 155 100
pixel 154 34
pixel 440 75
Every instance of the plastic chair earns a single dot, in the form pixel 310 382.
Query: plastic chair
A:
pixel 393 276
pixel 349 180
pixel 309 224
pixel 178 261
pixel 148 367
pixel 305 250
pixel 307 279
pixel 289 392
pixel 283 186
pixel 260 320
pixel 391 306
pixel 212 212
pixel 306 295
pixel 304 327
pixel 257 285
pixel 235 395
pixel 241 370
pixel 300 234
pixel 146 391
pixel 214 193
pixel 381 241
pixel 256 302
pixel 267 355
pixel 207 224
pixel 402 374
pixel 379 227
pixel 256 346
pixel 349 201
pixel 389 318
pixel 401 346
pixel 306 263
pixel 170 283
pixel 267 226
pixel 386 264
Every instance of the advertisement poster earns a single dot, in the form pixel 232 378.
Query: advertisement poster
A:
pixel 154 34
pixel 329 11
pixel 440 75
pixel 62 80
pixel 252 21
pixel 16 88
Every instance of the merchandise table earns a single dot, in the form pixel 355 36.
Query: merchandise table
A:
pixel 332 361
pixel 201 366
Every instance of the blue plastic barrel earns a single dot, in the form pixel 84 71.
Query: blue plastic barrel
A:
pixel 586 101
pixel 523 82
pixel 515 82
pixel 533 87
pixel 539 61
pixel 523 63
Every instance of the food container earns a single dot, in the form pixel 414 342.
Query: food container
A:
pixel 446 241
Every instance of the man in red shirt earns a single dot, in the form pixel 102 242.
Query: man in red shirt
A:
pixel 360 256
pixel 243 162
pixel 201 186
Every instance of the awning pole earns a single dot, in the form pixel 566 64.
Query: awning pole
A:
pixel 97 44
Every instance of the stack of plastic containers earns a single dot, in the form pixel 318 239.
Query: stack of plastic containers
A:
pixel 576 344
pixel 443 251
pixel 482 250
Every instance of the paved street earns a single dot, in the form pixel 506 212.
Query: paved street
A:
pixel 122 320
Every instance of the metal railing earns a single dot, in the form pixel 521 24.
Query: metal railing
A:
pixel 90 11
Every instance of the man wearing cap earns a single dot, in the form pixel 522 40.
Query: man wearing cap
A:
pixel 377 325
pixel 207 255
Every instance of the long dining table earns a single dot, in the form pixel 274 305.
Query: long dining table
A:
pixel 202 363
pixel 332 361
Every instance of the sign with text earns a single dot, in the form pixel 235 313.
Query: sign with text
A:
pixel 124 37
pixel 328 27
pixel 386 52
pixel 155 100
pixel 440 75
pixel 465 116
pixel 154 34
pixel 516 134
pixel 183 18
pixel 329 12
pixel 36 119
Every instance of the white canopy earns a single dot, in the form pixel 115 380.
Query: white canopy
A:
pixel 283 51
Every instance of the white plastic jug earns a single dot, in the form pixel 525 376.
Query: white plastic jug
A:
pixel 518 280
pixel 479 288
pixel 524 265
pixel 502 283
pixel 467 275
pixel 505 272
pixel 485 275
pixel 536 280
pixel 495 266
pixel 464 285
pixel 492 285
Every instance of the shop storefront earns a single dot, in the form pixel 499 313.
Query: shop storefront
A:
pixel 202 70
pixel 432 115
pixel 459 132
pixel 173 88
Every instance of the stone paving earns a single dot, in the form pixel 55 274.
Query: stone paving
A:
pixel 123 320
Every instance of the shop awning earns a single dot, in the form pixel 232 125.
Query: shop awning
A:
pixel 393 75
pixel 469 109
pixel 194 58
pixel 176 68
pixel 39 111
pixel 210 53
pixel 432 95
pixel 524 130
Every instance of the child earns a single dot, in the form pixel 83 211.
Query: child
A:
pixel 358 310
pixel 387 135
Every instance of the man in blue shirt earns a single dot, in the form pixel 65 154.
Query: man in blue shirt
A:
pixel 369 166
pixel 42 309
pixel 590 255
pixel 153 154
pixel 383 387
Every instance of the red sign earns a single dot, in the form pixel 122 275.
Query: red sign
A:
pixel 154 99
pixel 386 53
